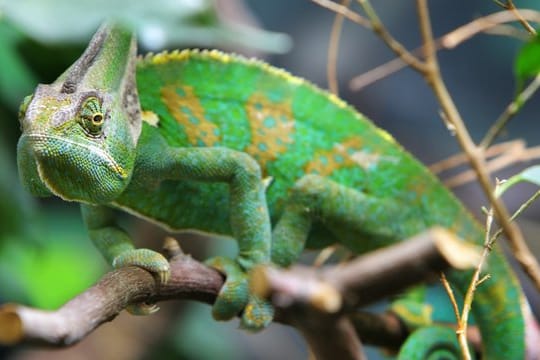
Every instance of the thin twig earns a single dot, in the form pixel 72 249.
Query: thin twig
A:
pixel 333 48
pixel 509 5
pixel 511 110
pixel 379 29
pixel 508 153
pixel 475 282
pixel 448 41
pixel 496 150
pixel 518 212
pixel 345 12
pixel 451 296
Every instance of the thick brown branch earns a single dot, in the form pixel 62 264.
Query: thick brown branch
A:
pixel 103 301
pixel 192 280
pixel 370 277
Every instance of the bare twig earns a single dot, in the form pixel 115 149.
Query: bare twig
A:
pixel 518 212
pixel 447 41
pixel 345 12
pixel 475 282
pixel 509 5
pixel 511 110
pixel 379 29
pixel 333 47
pixel 463 317
pixel 498 157
pixel 451 296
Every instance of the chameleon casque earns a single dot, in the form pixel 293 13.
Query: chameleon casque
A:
pixel 218 143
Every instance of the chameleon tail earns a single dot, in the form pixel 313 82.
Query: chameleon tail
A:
pixel 431 343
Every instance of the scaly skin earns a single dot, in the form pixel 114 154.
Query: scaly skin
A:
pixel 215 127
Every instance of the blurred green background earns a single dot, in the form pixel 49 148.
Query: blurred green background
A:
pixel 45 256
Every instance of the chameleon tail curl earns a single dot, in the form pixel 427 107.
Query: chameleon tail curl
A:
pixel 431 343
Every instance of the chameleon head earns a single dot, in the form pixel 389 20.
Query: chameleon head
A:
pixel 80 132
pixel 78 146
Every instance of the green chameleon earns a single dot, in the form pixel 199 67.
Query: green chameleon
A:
pixel 221 144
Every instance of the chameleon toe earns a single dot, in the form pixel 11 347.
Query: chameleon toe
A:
pixel 257 315
pixel 233 296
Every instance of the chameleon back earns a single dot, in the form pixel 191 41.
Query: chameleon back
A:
pixel 292 129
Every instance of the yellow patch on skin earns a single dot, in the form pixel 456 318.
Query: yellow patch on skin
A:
pixel 346 154
pixel 150 117
pixel 325 162
pixel 272 127
pixel 188 111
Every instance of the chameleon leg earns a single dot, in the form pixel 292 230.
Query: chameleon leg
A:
pixel 117 248
pixel 342 209
pixel 249 221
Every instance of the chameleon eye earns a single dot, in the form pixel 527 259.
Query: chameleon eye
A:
pixel 91 116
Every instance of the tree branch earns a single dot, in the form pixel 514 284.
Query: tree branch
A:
pixel 427 254
pixel 368 278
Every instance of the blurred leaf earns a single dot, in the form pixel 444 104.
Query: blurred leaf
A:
pixel 46 278
pixel 531 175
pixel 17 205
pixel 527 63
pixel 159 23
pixel 16 79
pixel 48 272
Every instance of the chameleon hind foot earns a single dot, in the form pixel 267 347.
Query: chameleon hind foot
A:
pixel 257 314
pixel 234 297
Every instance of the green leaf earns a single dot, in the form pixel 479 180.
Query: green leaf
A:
pixel 527 63
pixel 531 175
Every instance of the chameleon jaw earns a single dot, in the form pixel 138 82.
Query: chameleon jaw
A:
pixel 38 139
pixel 100 178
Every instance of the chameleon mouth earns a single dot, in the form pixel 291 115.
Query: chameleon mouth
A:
pixel 51 146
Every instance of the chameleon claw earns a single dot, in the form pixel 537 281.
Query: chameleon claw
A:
pixel 142 309
pixel 164 276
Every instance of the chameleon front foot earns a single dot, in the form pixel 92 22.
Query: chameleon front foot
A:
pixel 147 259
pixel 151 261
pixel 234 298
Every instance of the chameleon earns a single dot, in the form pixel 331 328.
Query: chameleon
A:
pixel 222 144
